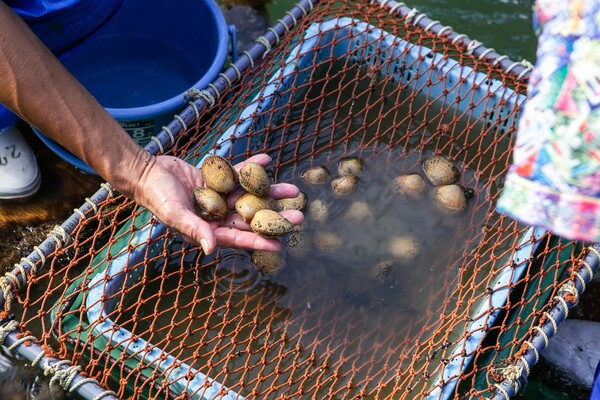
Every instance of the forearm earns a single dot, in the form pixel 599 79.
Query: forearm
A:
pixel 35 85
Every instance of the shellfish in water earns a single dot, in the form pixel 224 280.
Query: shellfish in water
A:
pixel 359 211
pixel 297 245
pixel 267 262
pixel 210 205
pixel 248 204
pixel 344 185
pixel 404 248
pixel 440 171
pixel 218 174
pixel 350 166
pixel 270 224
pixel 411 185
pixel 316 175
pixel 327 241
pixel 318 211
pixel 450 198
pixel 382 271
pixel 254 179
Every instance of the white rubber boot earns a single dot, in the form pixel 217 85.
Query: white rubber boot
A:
pixel 19 172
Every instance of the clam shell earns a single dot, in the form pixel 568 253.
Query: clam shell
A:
pixel 210 204
pixel 450 198
pixel 270 224
pixel 359 211
pixel 350 166
pixel 318 211
pixel 327 241
pixel 294 203
pixel 254 179
pixel 344 185
pixel 411 185
pixel 297 244
pixel 382 271
pixel 404 248
pixel 218 174
pixel 440 171
pixel 315 175
pixel 248 204
pixel 267 262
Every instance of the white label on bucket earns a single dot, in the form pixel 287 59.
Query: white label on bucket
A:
pixel 141 130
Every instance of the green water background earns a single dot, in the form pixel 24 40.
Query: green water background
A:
pixel 504 25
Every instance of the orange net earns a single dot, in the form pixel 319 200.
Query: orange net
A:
pixel 389 297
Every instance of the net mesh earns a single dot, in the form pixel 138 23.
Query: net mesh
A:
pixel 150 317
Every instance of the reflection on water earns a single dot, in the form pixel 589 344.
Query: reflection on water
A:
pixel 18 381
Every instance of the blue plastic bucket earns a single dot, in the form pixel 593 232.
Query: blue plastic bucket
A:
pixel 140 63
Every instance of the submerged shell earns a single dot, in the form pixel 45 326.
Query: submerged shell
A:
pixel 359 211
pixel 350 166
pixel 411 185
pixel 267 262
pixel 270 224
pixel 382 271
pixel 318 211
pixel 218 174
pixel 294 203
pixel 297 244
pixel 450 198
pixel 327 241
pixel 404 248
pixel 440 171
pixel 316 175
pixel 344 185
pixel 210 205
pixel 254 179
pixel 248 204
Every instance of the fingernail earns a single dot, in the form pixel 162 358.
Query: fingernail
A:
pixel 204 245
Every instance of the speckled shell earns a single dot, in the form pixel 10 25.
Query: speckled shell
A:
pixel 297 244
pixel 344 185
pixel 248 204
pixel 450 198
pixel 218 174
pixel 318 211
pixel 254 179
pixel 270 224
pixel 359 211
pixel 382 271
pixel 411 185
pixel 327 241
pixel 294 203
pixel 267 262
pixel 316 175
pixel 210 205
pixel 404 248
pixel 350 166
pixel 440 171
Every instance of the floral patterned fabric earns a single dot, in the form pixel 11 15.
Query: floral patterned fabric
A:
pixel 554 181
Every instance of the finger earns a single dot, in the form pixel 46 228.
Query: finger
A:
pixel 229 237
pixel 194 229
pixel 262 159
pixel 283 190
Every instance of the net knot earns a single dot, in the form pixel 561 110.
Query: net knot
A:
pixel 513 374
pixel 61 376
pixel 7 328
pixel 60 235
pixel 6 288
pixel 569 292
pixel 205 95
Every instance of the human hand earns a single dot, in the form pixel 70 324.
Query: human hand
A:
pixel 166 189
